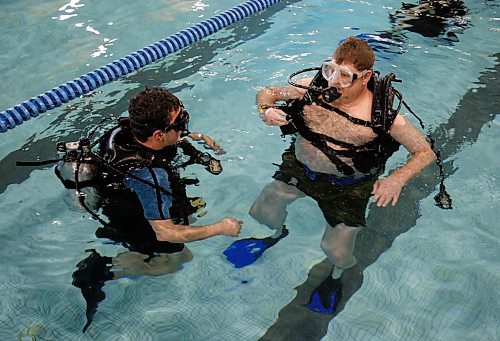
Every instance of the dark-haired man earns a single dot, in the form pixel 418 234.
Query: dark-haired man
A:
pixel 344 136
pixel 144 197
pixel 157 120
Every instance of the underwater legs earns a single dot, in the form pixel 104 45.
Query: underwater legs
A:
pixel 338 245
pixel 270 206
pixel 269 209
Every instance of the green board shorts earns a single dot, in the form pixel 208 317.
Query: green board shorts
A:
pixel 339 203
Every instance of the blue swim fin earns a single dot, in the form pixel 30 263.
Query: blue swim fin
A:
pixel 325 298
pixel 244 252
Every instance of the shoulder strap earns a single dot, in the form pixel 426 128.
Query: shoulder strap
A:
pixel 383 111
pixel 343 114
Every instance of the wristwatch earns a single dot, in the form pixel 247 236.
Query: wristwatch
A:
pixel 262 107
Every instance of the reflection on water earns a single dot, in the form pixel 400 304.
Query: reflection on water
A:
pixel 432 18
pixel 444 20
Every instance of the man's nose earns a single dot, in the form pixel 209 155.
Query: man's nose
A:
pixel 333 82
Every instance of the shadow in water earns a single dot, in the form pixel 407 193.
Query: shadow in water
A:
pixel 295 321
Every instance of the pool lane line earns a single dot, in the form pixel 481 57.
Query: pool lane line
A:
pixel 110 72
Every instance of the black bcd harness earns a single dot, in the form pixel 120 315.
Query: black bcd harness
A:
pixel 371 157
pixel 114 154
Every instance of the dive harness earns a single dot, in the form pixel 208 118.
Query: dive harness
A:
pixel 81 152
pixel 383 115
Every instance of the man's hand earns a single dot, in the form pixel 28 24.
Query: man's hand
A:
pixel 230 227
pixel 209 142
pixel 274 117
pixel 386 191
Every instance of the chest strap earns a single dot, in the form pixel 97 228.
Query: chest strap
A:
pixel 350 118
pixel 319 141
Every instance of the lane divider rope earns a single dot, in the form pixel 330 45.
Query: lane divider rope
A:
pixel 110 72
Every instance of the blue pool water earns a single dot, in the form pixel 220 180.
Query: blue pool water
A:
pixel 423 273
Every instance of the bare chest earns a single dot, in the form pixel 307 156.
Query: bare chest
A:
pixel 341 128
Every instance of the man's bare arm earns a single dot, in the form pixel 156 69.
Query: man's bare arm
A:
pixel 388 190
pixel 421 153
pixel 166 230
pixel 269 96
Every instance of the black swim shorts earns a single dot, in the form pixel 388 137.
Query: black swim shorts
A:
pixel 339 204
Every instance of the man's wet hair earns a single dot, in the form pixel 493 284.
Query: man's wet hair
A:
pixel 150 110
pixel 356 52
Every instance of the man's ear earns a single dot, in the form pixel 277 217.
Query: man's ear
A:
pixel 367 76
pixel 157 135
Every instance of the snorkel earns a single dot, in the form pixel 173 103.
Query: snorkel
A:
pixel 329 93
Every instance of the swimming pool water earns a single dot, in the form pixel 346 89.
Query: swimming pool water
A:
pixel 423 273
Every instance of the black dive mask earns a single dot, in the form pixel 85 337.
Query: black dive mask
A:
pixel 319 85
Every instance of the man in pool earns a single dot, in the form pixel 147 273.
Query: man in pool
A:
pixel 344 136
pixel 144 198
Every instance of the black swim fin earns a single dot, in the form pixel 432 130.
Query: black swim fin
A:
pixel 325 298
pixel 90 277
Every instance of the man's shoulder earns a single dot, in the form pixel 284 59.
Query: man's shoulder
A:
pixel 400 121
pixel 137 177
